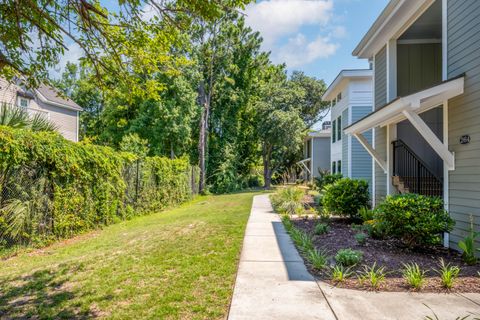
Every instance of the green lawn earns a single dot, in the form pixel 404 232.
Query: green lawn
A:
pixel 175 264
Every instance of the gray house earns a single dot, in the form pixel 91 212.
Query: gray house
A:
pixel 47 102
pixel 426 122
pixel 316 153
pixel 350 96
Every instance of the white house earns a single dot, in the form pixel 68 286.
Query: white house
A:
pixel 350 95
pixel 63 112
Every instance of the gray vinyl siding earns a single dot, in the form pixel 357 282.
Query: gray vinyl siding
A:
pixel 380 78
pixel 321 155
pixel 464 115
pixel 345 144
pixel 361 160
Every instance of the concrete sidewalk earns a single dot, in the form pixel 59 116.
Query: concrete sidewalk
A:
pixel 273 283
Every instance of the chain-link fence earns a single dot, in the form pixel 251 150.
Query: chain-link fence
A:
pixel 37 206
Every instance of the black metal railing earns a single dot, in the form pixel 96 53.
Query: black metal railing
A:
pixel 413 172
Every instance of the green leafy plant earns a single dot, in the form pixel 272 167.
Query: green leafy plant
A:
pixel 321 228
pixel 448 274
pixel 340 273
pixel 325 178
pixel 413 275
pixel 366 214
pixel 415 219
pixel 346 196
pixel 288 200
pixel 318 259
pixel 348 257
pixel 361 238
pixel 302 240
pixel 468 244
pixel 373 276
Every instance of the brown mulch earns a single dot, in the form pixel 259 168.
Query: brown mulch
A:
pixel 392 255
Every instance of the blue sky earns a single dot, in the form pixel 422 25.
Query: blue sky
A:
pixel 315 36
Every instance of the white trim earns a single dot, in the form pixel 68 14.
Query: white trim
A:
pixel 418 41
pixel 373 171
pixel 61 105
pixel 444 39
pixel 78 126
pixel 427 133
pixel 364 142
pixel 332 92
pixel 312 157
pixel 446 191
pixel 418 102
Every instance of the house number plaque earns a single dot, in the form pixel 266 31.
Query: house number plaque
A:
pixel 464 139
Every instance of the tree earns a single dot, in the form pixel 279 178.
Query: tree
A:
pixel 36 33
pixel 278 121
pixel 312 108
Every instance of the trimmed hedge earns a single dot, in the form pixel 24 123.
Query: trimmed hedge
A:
pixel 53 188
pixel 346 196
pixel 415 219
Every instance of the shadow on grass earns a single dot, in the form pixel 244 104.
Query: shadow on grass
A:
pixel 44 294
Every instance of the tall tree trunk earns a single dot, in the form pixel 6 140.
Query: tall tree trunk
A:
pixel 267 173
pixel 203 137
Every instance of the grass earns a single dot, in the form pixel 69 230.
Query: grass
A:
pixel 178 264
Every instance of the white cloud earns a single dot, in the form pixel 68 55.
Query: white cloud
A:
pixel 277 18
pixel 299 51
pixel 282 25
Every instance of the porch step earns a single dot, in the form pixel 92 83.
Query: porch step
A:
pixel 400 185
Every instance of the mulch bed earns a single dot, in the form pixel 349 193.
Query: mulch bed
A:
pixel 391 254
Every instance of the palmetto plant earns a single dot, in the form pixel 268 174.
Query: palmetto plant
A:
pixel 16 117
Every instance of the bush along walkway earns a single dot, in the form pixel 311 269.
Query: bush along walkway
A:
pixel 272 282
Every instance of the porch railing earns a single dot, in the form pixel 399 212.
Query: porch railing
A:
pixel 413 172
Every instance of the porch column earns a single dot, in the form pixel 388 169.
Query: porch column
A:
pixel 391 136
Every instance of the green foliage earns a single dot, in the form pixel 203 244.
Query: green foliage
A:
pixel 340 273
pixel 53 188
pixel 366 214
pixel 318 259
pixel 134 144
pixel 372 276
pixel 348 257
pixel 413 275
pixel 415 219
pixel 361 238
pixel 468 245
pixel 321 228
pixel 346 196
pixel 18 118
pixel 325 178
pixel 448 274
pixel 288 200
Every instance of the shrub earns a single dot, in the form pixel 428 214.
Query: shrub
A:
pixel 346 196
pixel 348 257
pixel 468 245
pixel 448 274
pixel 373 275
pixel 321 228
pixel 288 200
pixel 366 214
pixel 413 275
pixel 318 259
pixel 325 178
pixel 361 238
pixel 415 219
pixel 54 188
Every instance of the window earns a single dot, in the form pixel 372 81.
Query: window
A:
pixel 333 167
pixel 339 97
pixel 22 102
pixel 333 102
pixel 334 130
pixel 339 166
pixel 339 128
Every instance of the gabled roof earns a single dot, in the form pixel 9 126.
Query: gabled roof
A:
pixel 396 15
pixel 325 133
pixel 345 75
pixel 51 96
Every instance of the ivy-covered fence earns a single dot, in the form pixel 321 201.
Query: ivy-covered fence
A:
pixel 51 188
